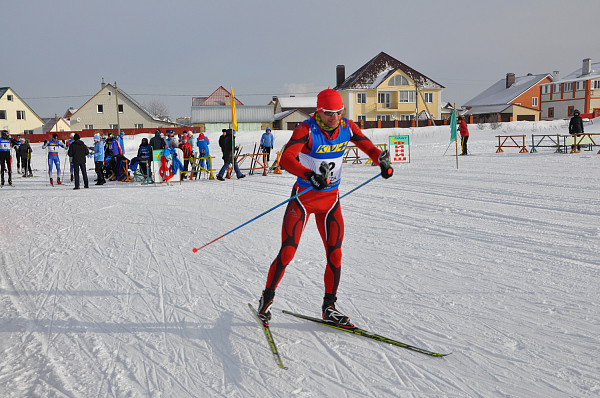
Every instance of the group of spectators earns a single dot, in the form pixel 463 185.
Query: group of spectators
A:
pixel 22 153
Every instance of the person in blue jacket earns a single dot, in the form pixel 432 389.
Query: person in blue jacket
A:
pixel 5 158
pixel 266 143
pixel 202 143
pixel 98 152
pixel 53 158
pixel 121 135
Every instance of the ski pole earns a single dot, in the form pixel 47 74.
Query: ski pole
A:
pixel 195 250
pixel 359 186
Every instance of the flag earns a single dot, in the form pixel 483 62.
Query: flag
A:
pixel 233 115
pixel 453 127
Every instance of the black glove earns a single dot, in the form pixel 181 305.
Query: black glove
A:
pixel 45 142
pixel 317 181
pixel 384 163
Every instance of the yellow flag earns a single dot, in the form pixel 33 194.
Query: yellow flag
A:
pixel 233 115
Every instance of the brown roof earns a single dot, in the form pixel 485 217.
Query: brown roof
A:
pixel 378 69
pixel 220 97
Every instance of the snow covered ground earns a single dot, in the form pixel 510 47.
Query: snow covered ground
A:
pixel 496 262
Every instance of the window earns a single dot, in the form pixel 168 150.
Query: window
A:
pixel 361 118
pixel 429 98
pixel 20 115
pixel 138 126
pixel 27 131
pixel 579 85
pixel 546 89
pixel 100 108
pixel 570 110
pixel 9 97
pixel 534 101
pixel 406 96
pixel 384 118
pixel 3 115
pixel 385 99
pixel 89 126
pixel 109 93
pixel 120 108
pixel 398 80
pixel 407 117
pixel 550 112
pixel 568 87
pixel 361 98
pixel 113 126
pixel 557 88
pixel 595 84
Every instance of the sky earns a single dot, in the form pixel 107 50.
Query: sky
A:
pixel 60 51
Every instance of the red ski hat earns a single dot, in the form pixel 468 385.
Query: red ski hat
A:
pixel 329 100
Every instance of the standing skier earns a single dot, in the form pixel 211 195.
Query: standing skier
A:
pixel 203 150
pixel 98 152
pixel 464 134
pixel 320 139
pixel 24 153
pixel 5 158
pixel 53 158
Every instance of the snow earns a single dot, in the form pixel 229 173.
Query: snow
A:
pixel 496 262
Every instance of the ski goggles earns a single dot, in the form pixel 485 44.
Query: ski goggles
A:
pixel 331 113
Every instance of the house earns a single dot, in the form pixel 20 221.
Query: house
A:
pixel 16 116
pixel 54 124
pixel 307 105
pixel 100 112
pixel 386 89
pixel 213 113
pixel 512 98
pixel 579 90
pixel 448 108
pixel 288 120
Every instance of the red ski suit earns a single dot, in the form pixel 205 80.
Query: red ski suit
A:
pixel 324 205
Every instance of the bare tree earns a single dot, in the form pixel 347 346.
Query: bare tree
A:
pixel 157 108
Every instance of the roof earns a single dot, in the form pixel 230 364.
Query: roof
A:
pixel 576 75
pixel 222 114
pixel 3 91
pixel 487 109
pixel 297 102
pixel 498 93
pixel 284 114
pixel 219 97
pixel 371 74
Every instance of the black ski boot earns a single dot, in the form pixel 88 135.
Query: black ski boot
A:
pixel 51 181
pixel 264 305
pixel 331 314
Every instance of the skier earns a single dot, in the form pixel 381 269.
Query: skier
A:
pixel 5 158
pixel 321 139
pixel 98 152
pixel 24 153
pixel 53 158
pixel 16 147
pixel 464 134
pixel 266 143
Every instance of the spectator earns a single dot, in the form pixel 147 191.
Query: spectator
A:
pixel 157 142
pixel 24 153
pixel 78 152
pixel 227 144
pixel 464 134
pixel 98 152
pixel 186 147
pixel 576 128
pixel 121 136
pixel 202 143
pixel 266 143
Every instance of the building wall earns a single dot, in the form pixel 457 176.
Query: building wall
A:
pixel 372 108
pixel 583 100
pixel 131 115
pixel 11 123
pixel 526 98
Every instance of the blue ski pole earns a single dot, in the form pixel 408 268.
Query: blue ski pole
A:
pixel 195 250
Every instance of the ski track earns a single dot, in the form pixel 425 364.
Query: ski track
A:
pixel 495 262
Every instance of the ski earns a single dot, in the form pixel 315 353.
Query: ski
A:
pixel 364 333
pixel 269 337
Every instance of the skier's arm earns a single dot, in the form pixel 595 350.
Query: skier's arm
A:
pixel 300 141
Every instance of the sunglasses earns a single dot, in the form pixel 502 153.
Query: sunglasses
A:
pixel 331 113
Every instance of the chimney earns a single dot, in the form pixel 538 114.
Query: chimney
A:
pixel 510 79
pixel 274 98
pixel 340 74
pixel 587 67
pixel 555 76
pixel 102 84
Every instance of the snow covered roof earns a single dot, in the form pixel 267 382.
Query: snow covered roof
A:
pixel 578 76
pixel 498 93
pixel 486 109
pixel 371 74
pixel 298 102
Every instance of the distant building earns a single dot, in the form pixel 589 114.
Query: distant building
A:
pixel 288 120
pixel 16 116
pixel 305 104
pixel 386 89
pixel 213 113
pixel 512 98
pixel 579 90
pixel 53 124
pixel 100 112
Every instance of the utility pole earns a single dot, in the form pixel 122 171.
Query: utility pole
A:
pixel 117 101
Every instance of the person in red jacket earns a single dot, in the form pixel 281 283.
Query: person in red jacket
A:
pixel 464 134
pixel 186 147
pixel 316 148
